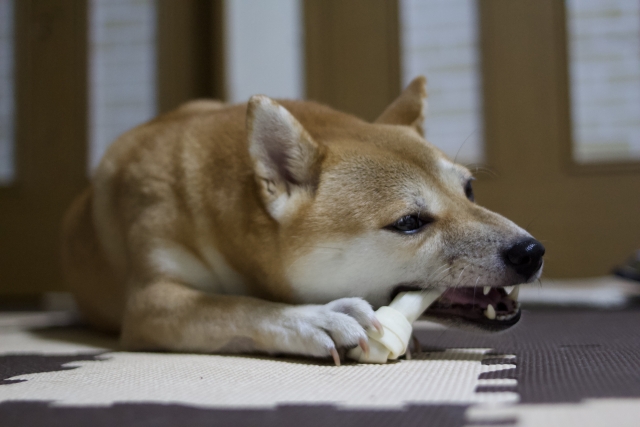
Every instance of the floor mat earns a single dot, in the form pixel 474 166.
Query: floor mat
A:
pixel 553 368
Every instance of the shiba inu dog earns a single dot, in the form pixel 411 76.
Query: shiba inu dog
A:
pixel 275 227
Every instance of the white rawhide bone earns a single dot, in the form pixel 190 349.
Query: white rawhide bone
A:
pixel 396 320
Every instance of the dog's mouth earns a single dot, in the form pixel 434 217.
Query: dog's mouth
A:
pixel 490 308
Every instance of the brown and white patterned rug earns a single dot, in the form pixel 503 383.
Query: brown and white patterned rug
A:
pixel 557 367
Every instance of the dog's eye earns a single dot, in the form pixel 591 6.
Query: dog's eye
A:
pixel 408 224
pixel 468 191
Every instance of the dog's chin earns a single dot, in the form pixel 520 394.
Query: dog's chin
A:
pixel 486 309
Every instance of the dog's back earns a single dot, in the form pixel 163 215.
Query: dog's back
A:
pixel 88 272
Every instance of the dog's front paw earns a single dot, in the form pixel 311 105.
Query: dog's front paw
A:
pixel 322 330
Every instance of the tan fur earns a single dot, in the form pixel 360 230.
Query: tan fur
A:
pixel 88 273
pixel 211 227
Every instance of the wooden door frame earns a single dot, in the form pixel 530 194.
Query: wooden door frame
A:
pixel 190 49
pixel 352 54
pixel 51 104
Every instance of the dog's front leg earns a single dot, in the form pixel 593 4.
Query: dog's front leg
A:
pixel 171 316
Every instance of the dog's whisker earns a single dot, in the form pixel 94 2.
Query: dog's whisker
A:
pixel 460 275
pixel 528 227
pixel 441 274
pixel 442 270
pixel 434 275
pixel 479 168
pixel 474 290
pixel 463 143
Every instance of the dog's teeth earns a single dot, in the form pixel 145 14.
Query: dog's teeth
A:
pixel 508 289
pixel 514 294
pixel 490 312
pixel 486 290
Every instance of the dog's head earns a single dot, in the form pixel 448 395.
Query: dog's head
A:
pixel 369 210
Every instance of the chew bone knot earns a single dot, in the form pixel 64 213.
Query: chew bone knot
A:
pixel 390 343
pixel 396 320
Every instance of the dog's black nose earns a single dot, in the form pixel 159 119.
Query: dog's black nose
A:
pixel 525 257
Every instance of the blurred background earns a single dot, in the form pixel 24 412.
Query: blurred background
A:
pixel 541 98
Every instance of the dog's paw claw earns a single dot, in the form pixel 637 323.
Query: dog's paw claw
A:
pixel 364 345
pixel 335 356
pixel 377 325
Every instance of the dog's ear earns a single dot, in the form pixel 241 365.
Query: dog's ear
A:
pixel 286 159
pixel 410 108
